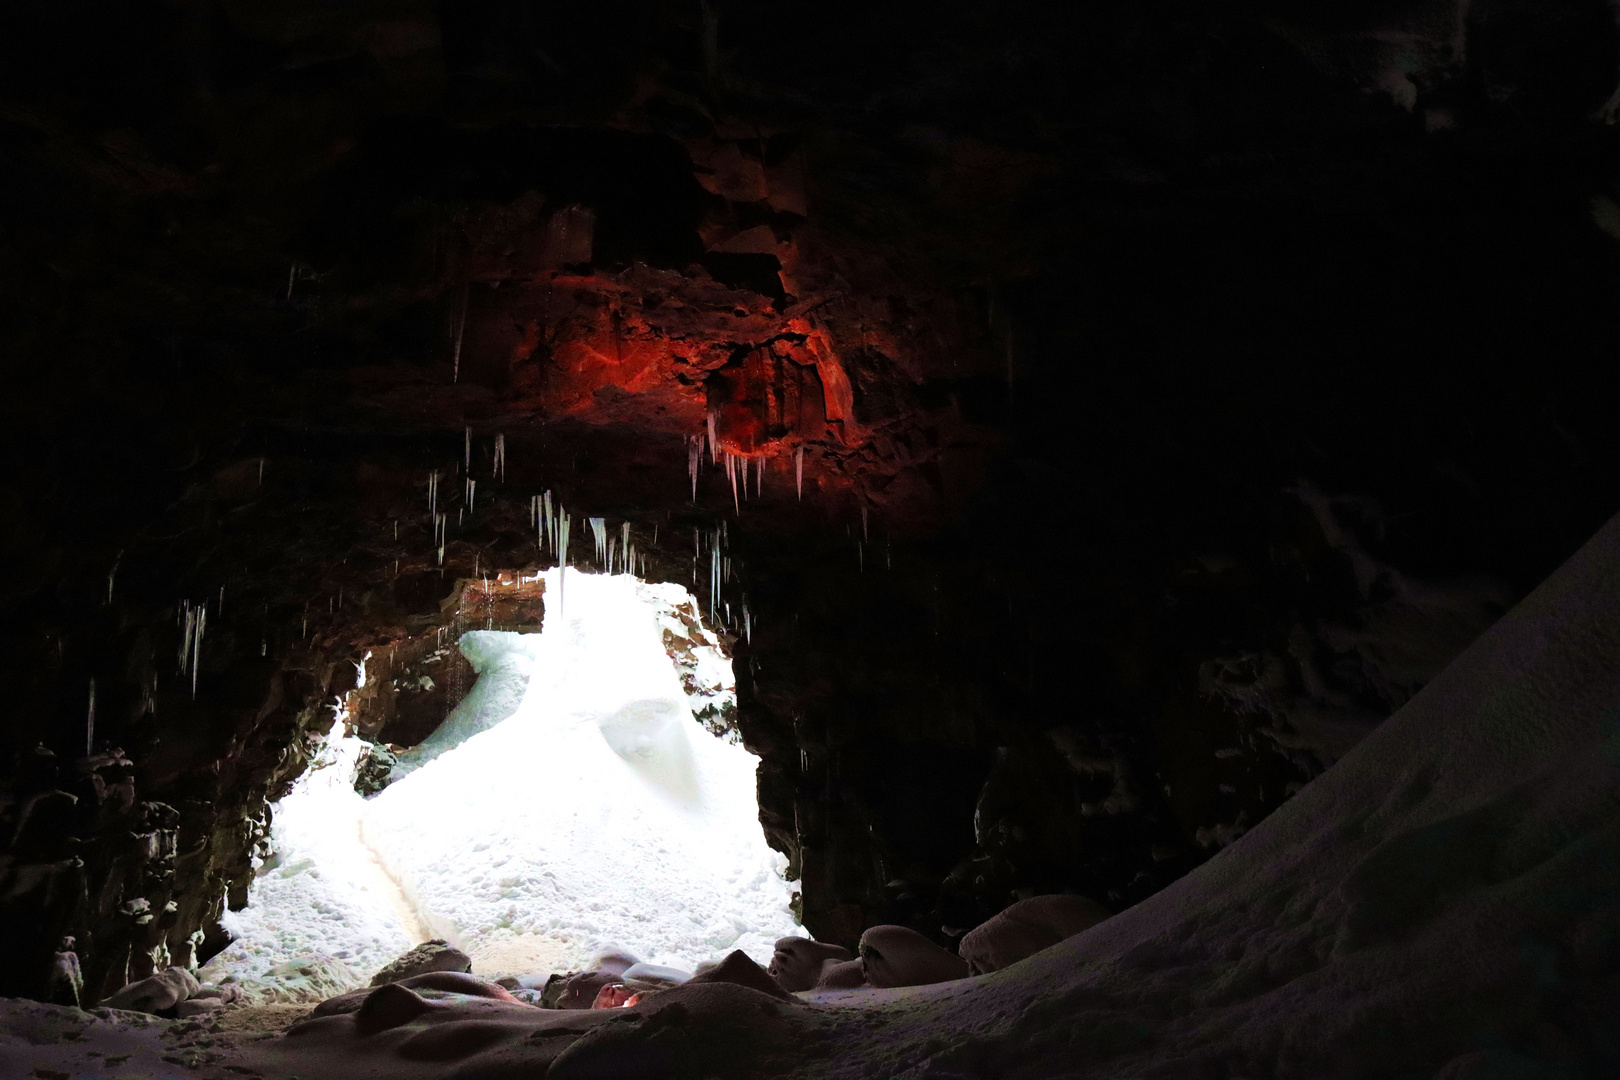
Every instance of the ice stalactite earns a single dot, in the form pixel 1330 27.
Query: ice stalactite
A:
pixel 551 520
pixel 433 492
pixel 196 647
pixel 694 455
pixel 112 574
pixel 467 451
pixel 499 469
pixel 731 473
pixel 864 534
pixel 563 523
pixel 261 472
pixel 748 621
pixel 759 479
pixel 461 326
pixel 90 723
pixel 798 470
pixel 190 617
pixel 599 534
pixel 714 579
pixel 612 545
pixel 714 444
pixel 624 547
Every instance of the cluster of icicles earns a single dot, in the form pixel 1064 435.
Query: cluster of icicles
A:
pixel 552 524
pixel 736 466
pixel 615 554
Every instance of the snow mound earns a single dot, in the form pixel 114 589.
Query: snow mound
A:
pixel 323 894
pixel 598 812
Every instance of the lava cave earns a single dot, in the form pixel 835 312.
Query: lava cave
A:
pixel 1155 455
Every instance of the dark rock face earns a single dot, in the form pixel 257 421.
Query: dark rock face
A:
pixel 1174 392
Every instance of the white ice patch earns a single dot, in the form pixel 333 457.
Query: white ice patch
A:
pixel 323 894
pixel 598 812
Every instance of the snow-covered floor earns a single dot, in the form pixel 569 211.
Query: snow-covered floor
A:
pixel 598 813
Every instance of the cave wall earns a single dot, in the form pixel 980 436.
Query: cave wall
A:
pixel 1177 388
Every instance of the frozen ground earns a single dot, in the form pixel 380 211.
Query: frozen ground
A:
pixel 598 812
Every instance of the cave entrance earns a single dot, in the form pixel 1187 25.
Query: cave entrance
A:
pixel 588 792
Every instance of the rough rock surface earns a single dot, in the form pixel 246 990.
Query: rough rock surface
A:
pixel 158 993
pixel 435 955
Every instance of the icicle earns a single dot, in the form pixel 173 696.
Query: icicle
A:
pixel 112 574
pixel 292 275
pixel 185 639
pixel 460 510
pixel 798 470
pixel 731 472
pixel 261 472
pixel 500 457
pixel 599 534
pixel 461 325
pixel 396 528
pixel 551 524
pixel 748 624
pixel 222 600
pixel 441 553
pixel 611 545
pixel 624 547
pixel 860 553
pixel 759 479
pixel 196 647
pixel 467 452
pixel 472 495
pixel 694 454
pixel 90 723
pixel 714 444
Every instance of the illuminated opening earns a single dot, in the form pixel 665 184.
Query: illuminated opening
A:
pixel 534 830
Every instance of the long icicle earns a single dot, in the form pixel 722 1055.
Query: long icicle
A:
pixel 196 646
pixel 714 444
pixel 694 454
pixel 798 470
pixel 461 325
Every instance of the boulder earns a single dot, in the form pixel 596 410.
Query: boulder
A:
pixel 797 962
pixel 156 994
pixel 435 955
pixel 1026 928
pixel 740 969
pixel 899 956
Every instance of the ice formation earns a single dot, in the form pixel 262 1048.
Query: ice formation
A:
pixel 598 812
pixel 321 893
pixel 569 801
